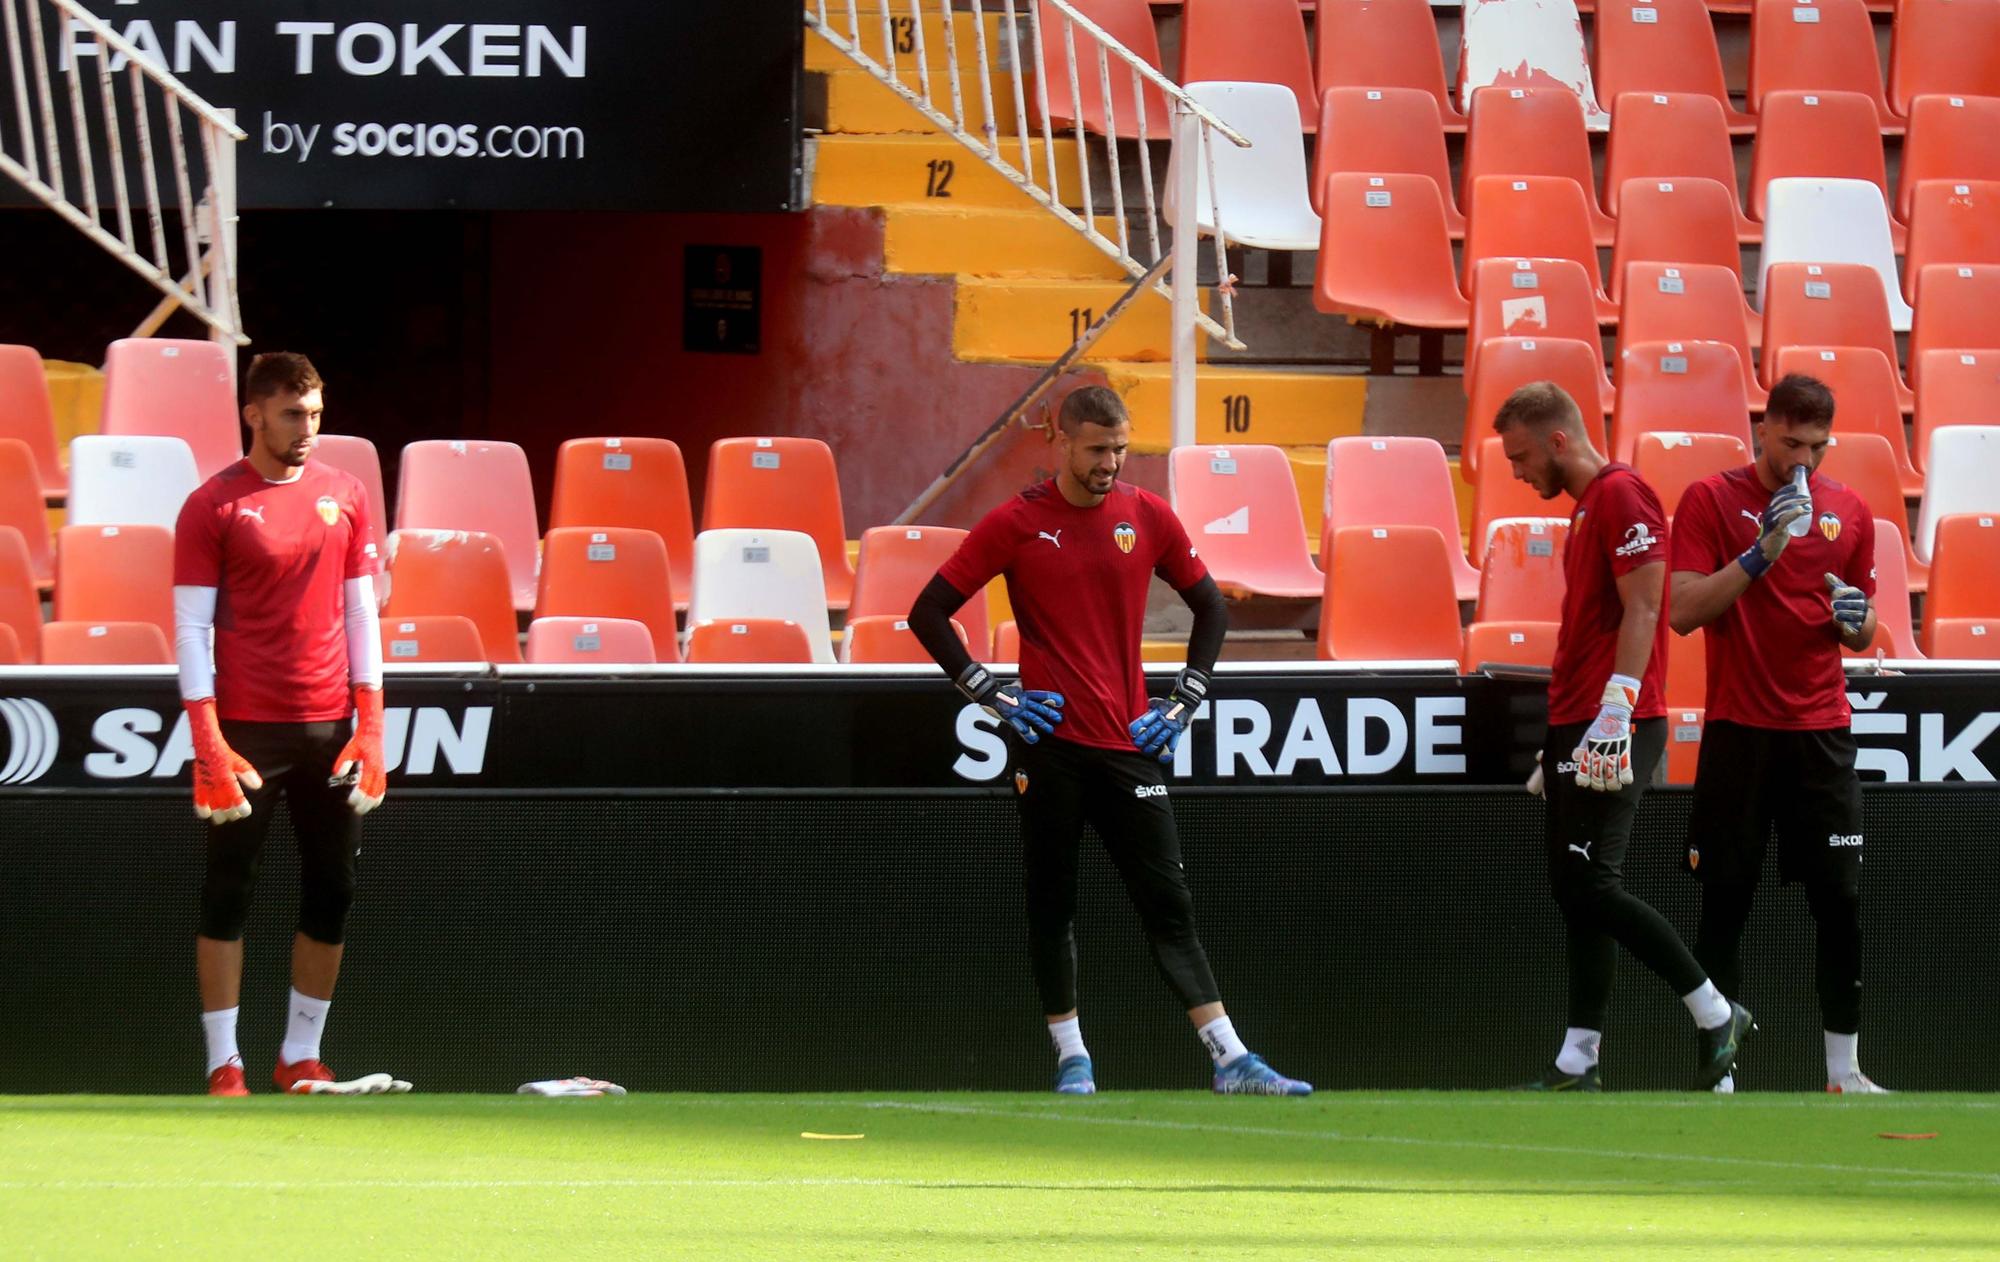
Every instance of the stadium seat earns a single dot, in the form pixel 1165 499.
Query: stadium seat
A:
pixel 1260 193
pixel 1384 44
pixel 774 641
pixel 1963 639
pixel 613 572
pixel 1960 388
pixel 741 575
pixel 1383 131
pixel 1950 138
pixel 1241 509
pixel 1958 309
pixel 1522 577
pixel 140 480
pixel 26 414
pixel 781 484
pixel 10 648
pixel 1509 644
pixel 21 507
pixel 105 644
pixel 1533 46
pixel 1944 46
pixel 1505 364
pixel 886 638
pixel 168 387
pixel 1533 298
pixel 1864 462
pixel 1684 725
pixel 1817 135
pixel 1682 387
pixel 640 483
pixel 20 600
pixel 1395 482
pixel 440 637
pixel 1130 22
pixel 1894 632
pixel 1532 131
pixel 1864 386
pixel 479 486
pixel 1389 596
pixel 1830 222
pixel 1385 252
pixel 1673 140
pixel 115 574
pixel 1497 495
pixel 1687 669
pixel 1961 475
pixel 1007 642
pixel 1965 572
pixel 1682 223
pixel 1956 224
pixel 897 563
pixel 591 642
pixel 1694 302
pixel 1671 461
pixel 1660 47
pixel 1816 46
pixel 1250 41
pixel 455 572
pixel 1835 304
pixel 1533 216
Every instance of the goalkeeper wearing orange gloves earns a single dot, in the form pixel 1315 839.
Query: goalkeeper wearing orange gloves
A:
pixel 281 674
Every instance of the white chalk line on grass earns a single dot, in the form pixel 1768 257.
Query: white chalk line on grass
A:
pixel 1038 1185
pixel 1557 1150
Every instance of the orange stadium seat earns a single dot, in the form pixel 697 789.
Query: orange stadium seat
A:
pixel 1692 302
pixel 1816 46
pixel 1864 462
pixel 1130 22
pixel 782 484
pixel 105 644
pixel 778 641
pixel 1672 139
pixel 1240 506
pixel 1658 47
pixel 21 507
pixel 613 572
pixel 886 638
pixel 10 648
pixel 1384 44
pixel 1894 632
pixel 174 388
pixel 1505 364
pixel 1684 726
pixel 897 563
pixel 1497 495
pixel 1007 642
pixel 478 486
pixel 1509 644
pixel 454 571
pixel 353 454
pixel 1944 46
pixel 603 642
pixel 1687 670
pixel 1863 382
pixel 1960 388
pixel 20 602
pixel 1955 224
pixel 1532 131
pixel 639 483
pixel 1522 579
pixel 1389 596
pixel 1533 216
pixel 1965 571
pixel 1950 138
pixel 1823 135
pixel 441 637
pixel 1959 309
pixel 115 574
pixel 1671 461
pixel 1537 298
pixel 1383 131
pixel 1682 387
pixel 25 413
pixel 1250 41
pixel 1395 482
pixel 1681 223
pixel 1963 639
pixel 1385 252
pixel 1827 304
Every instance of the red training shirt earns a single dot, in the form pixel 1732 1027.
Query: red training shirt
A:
pixel 1077 578
pixel 280 554
pixel 1617 527
pixel 1774 655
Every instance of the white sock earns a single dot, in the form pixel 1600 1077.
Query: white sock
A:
pixel 303 1027
pixel 1843 1055
pixel 1067 1035
pixel 1579 1049
pixel 219 1028
pixel 1707 1005
pixel 1219 1037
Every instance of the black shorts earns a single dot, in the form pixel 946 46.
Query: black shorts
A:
pixel 296 760
pixel 1591 823
pixel 1751 781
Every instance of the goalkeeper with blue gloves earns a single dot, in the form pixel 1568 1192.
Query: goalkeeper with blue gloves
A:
pixel 1079 552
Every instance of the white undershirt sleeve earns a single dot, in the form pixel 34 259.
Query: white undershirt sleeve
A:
pixel 194 629
pixel 364 637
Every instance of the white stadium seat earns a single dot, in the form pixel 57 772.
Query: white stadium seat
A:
pixel 137 480
pixel 761 574
pixel 1831 221
pixel 1961 475
pixel 1263 191
pixel 1539 45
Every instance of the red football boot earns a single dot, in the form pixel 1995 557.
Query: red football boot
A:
pixel 297 1078
pixel 228 1080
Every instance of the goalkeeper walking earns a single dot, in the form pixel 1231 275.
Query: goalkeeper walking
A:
pixel 1079 551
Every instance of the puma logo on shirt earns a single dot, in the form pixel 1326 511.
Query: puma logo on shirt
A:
pixel 1052 538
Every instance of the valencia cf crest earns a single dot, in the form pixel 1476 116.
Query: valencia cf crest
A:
pixel 329 509
pixel 1694 859
pixel 1020 782
pixel 1126 537
pixel 1829 525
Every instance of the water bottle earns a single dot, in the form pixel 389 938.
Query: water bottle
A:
pixel 1799 528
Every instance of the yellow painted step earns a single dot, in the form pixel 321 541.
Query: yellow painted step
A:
pixel 1037 320
pixel 822 55
pixel 942 239
pixel 1309 473
pixel 857 103
pixel 76 397
pixel 934 170
pixel 1244 405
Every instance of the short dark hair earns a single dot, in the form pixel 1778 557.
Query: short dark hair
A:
pixel 1091 405
pixel 280 372
pixel 1539 406
pixel 1800 400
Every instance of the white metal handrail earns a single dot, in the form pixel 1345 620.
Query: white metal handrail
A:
pixel 203 280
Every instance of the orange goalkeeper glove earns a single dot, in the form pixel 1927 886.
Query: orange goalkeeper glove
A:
pixel 362 755
pixel 218 797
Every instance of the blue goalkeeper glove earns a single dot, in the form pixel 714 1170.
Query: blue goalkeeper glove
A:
pixel 1159 729
pixel 1032 714
pixel 1850 605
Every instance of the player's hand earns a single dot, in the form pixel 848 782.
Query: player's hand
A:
pixel 361 757
pixel 1604 759
pixel 1031 713
pixel 220 773
pixel 1774 530
pixel 1850 604
pixel 1158 731
pixel 1536 784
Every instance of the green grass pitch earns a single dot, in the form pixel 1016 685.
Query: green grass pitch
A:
pixel 1413 1175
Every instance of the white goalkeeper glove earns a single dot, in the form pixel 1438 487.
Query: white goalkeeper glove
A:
pixel 1604 759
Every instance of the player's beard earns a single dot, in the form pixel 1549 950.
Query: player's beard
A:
pixel 289 455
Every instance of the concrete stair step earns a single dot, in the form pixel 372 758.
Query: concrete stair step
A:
pixel 1038 319
pixel 917 170
pixel 1266 406
pixel 942 239
pixel 857 103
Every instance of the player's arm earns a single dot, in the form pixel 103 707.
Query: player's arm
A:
pixel 1604 756
pixel 1699 598
pixel 220 773
pixel 362 756
pixel 1029 712
pixel 1158 731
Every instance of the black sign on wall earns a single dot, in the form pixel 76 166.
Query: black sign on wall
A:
pixel 722 299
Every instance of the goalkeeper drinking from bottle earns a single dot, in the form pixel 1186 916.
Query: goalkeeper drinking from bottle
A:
pixel 1079 551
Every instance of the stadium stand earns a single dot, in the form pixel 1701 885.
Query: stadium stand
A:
pixel 1524 46
pixel 21 508
pixel 1894 633
pixel 1518 132
pixel 1831 222
pixel 444 637
pixel 175 388
pixel 132 480
pixel 1818 135
pixel 1521 579
pixel 1378 131
pixel 1384 44
pixel 883 638
pixel 1960 388
pixel 1250 41
pixel 1395 482
pixel 1130 22
pixel 1864 386
pixel 1240 506
pixel 1816 46
pixel 1965 572
pixel 1693 302
pixel 1497 495
pixel 1501 365
pixel 640 483
pixel 782 484
pixel 1682 387
pixel 743 574
pixel 1959 310
pixel 1832 304
pixel 895 564
pixel 479 486
pixel 1671 461
pixel 1389 595
pixel 1673 141
pixel 26 414
pixel 775 641
pixel 1961 475
pixel 605 642
pixel 1533 298
pixel 1385 252
pixel 455 572
pixel 105 644
pixel 1533 216
pixel 1964 639
pixel 20 598
pixel 1944 46
pixel 115 574
pixel 1950 138
pixel 1955 224
pixel 1509 644
pixel 1660 47
pixel 1865 463
pixel 613 572
pixel 1260 194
